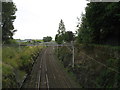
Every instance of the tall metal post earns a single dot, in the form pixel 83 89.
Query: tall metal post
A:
pixel 73 59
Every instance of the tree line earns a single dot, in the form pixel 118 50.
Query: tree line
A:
pixel 99 25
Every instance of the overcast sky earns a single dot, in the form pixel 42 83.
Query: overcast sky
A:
pixel 39 18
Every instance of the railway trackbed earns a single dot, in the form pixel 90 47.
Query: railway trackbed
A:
pixel 47 73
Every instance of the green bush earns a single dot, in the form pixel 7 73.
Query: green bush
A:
pixel 64 55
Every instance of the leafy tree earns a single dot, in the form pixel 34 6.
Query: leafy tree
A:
pixel 8 17
pixel 61 29
pixel 106 21
pixel 84 32
pixel 47 39
pixel 100 24
pixel 59 38
pixel 69 36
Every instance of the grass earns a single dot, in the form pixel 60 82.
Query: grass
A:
pixel 16 63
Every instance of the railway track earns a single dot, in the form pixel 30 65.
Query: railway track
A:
pixel 43 81
pixel 47 73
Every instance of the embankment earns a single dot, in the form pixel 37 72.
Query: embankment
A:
pixel 96 66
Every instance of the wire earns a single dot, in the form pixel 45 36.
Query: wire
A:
pixel 101 63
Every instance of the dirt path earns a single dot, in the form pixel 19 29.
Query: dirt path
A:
pixel 48 73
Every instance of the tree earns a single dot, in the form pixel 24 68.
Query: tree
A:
pixel 47 39
pixel 104 20
pixel 84 32
pixel 59 38
pixel 61 29
pixel 69 36
pixel 8 17
pixel 100 24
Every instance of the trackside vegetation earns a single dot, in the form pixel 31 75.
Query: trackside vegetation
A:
pixel 17 63
pixel 96 66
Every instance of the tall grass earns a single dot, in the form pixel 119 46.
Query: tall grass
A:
pixel 16 63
